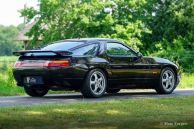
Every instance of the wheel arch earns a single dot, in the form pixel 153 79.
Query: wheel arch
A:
pixel 101 68
pixel 172 67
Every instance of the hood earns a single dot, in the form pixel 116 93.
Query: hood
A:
pixel 161 60
pixel 156 60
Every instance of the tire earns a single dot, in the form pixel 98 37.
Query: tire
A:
pixel 95 84
pixel 112 91
pixel 167 82
pixel 35 92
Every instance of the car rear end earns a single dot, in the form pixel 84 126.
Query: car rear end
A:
pixel 48 70
pixel 52 66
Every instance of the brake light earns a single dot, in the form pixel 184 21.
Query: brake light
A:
pixel 17 64
pixel 57 63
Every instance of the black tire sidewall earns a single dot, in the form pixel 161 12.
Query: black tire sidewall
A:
pixel 31 91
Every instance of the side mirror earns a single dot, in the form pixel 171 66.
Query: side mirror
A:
pixel 139 55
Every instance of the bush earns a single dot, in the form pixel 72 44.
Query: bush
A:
pixel 10 78
pixel 177 51
pixel 8 83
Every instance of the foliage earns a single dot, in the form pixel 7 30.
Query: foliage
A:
pixel 5 61
pixel 10 78
pixel 8 84
pixel 187 80
pixel 169 20
pixel 7 43
pixel 176 52
pixel 74 19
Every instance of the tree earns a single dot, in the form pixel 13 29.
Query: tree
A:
pixel 7 35
pixel 61 19
pixel 169 19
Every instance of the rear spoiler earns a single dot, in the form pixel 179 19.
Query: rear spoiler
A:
pixel 59 53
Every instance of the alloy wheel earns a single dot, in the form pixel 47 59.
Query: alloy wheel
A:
pixel 168 80
pixel 97 83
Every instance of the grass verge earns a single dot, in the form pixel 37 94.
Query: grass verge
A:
pixel 6 90
pixel 187 80
pixel 8 58
pixel 172 113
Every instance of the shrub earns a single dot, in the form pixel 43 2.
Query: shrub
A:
pixel 177 51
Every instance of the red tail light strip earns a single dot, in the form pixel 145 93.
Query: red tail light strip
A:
pixel 55 63
pixel 60 63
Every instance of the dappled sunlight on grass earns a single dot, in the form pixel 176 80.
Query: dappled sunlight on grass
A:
pixel 63 110
pixel 88 111
pixel 34 113
pixel 113 112
pixel 123 114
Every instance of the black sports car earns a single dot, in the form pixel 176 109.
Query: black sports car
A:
pixel 94 66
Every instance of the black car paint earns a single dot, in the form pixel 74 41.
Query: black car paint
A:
pixel 122 72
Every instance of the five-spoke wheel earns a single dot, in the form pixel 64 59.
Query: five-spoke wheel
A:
pixel 167 81
pixel 95 84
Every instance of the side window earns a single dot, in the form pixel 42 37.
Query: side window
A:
pixel 117 49
pixel 86 50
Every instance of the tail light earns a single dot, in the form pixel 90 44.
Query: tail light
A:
pixel 17 64
pixel 55 63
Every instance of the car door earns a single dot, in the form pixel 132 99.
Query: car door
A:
pixel 125 65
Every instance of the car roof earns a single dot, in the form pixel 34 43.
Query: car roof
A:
pixel 91 39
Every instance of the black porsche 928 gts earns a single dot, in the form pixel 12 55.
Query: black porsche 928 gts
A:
pixel 93 66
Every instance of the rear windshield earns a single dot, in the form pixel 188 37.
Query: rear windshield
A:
pixel 62 46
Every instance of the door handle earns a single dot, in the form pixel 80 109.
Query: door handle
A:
pixel 153 66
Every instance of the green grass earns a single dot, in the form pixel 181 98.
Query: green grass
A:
pixel 8 89
pixel 187 80
pixel 132 113
pixel 8 58
pixel 7 84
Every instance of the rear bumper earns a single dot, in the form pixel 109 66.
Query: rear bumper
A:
pixel 71 77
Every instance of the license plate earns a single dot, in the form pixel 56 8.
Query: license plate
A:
pixel 33 80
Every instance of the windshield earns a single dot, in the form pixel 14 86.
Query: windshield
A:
pixel 62 46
